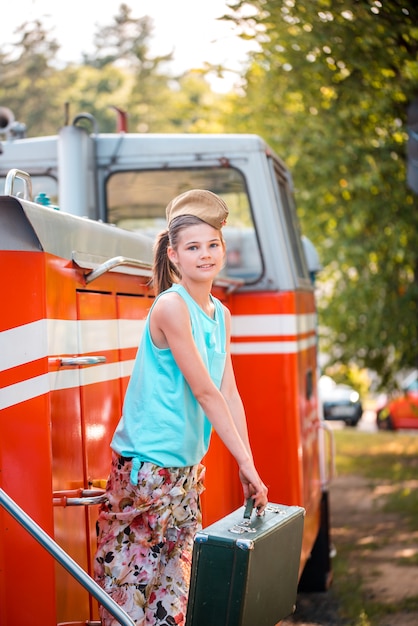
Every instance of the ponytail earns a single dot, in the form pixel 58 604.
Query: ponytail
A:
pixel 163 271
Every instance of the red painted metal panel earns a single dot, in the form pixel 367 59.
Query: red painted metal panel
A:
pixel 24 298
pixel 72 426
pixel 26 471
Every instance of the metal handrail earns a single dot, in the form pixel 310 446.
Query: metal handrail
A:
pixel 64 559
pixel 115 262
pixel 79 497
pixel 27 183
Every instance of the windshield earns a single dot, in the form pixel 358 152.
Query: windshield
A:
pixel 136 201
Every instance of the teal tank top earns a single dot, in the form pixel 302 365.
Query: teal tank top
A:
pixel 161 421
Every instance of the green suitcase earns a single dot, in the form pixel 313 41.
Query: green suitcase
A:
pixel 245 571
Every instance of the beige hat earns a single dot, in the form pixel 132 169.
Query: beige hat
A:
pixel 201 203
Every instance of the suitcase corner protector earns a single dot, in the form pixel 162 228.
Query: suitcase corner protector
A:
pixel 201 537
pixel 245 544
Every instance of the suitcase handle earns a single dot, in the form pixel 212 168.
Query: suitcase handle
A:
pixel 249 505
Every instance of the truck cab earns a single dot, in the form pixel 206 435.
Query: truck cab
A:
pixel 77 248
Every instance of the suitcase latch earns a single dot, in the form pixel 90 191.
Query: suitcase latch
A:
pixel 273 508
pixel 242 527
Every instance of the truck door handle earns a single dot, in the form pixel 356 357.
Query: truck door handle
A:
pixel 78 497
pixel 75 361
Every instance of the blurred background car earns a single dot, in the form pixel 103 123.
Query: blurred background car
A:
pixel 401 411
pixel 339 402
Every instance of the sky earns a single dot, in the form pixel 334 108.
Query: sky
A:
pixel 188 28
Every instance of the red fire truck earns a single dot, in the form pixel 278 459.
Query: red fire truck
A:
pixel 78 218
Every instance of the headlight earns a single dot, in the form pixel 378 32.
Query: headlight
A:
pixel 354 396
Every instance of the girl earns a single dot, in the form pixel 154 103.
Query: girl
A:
pixel 182 385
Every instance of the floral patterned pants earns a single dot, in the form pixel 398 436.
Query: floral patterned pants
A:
pixel 145 541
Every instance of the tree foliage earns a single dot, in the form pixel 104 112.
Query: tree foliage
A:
pixel 120 72
pixel 329 89
pixel 28 83
pixel 125 44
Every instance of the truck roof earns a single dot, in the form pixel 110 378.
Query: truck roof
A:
pixel 41 152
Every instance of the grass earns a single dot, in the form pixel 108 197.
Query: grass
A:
pixel 390 458
pixel 380 456
pixel 383 456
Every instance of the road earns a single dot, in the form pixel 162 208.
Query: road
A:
pixel 366 424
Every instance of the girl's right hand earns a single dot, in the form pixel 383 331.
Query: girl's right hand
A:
pixel 253 486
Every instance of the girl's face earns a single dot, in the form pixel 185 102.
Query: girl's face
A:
pixel 200 253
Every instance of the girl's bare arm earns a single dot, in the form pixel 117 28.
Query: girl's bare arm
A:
pixel 170 327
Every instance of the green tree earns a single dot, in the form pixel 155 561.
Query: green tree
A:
pixel 121 72
pixel 329 89
pixel 156 100
pixel 125 45
pixel 95 91
pixel 29 80
pixel 195 108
